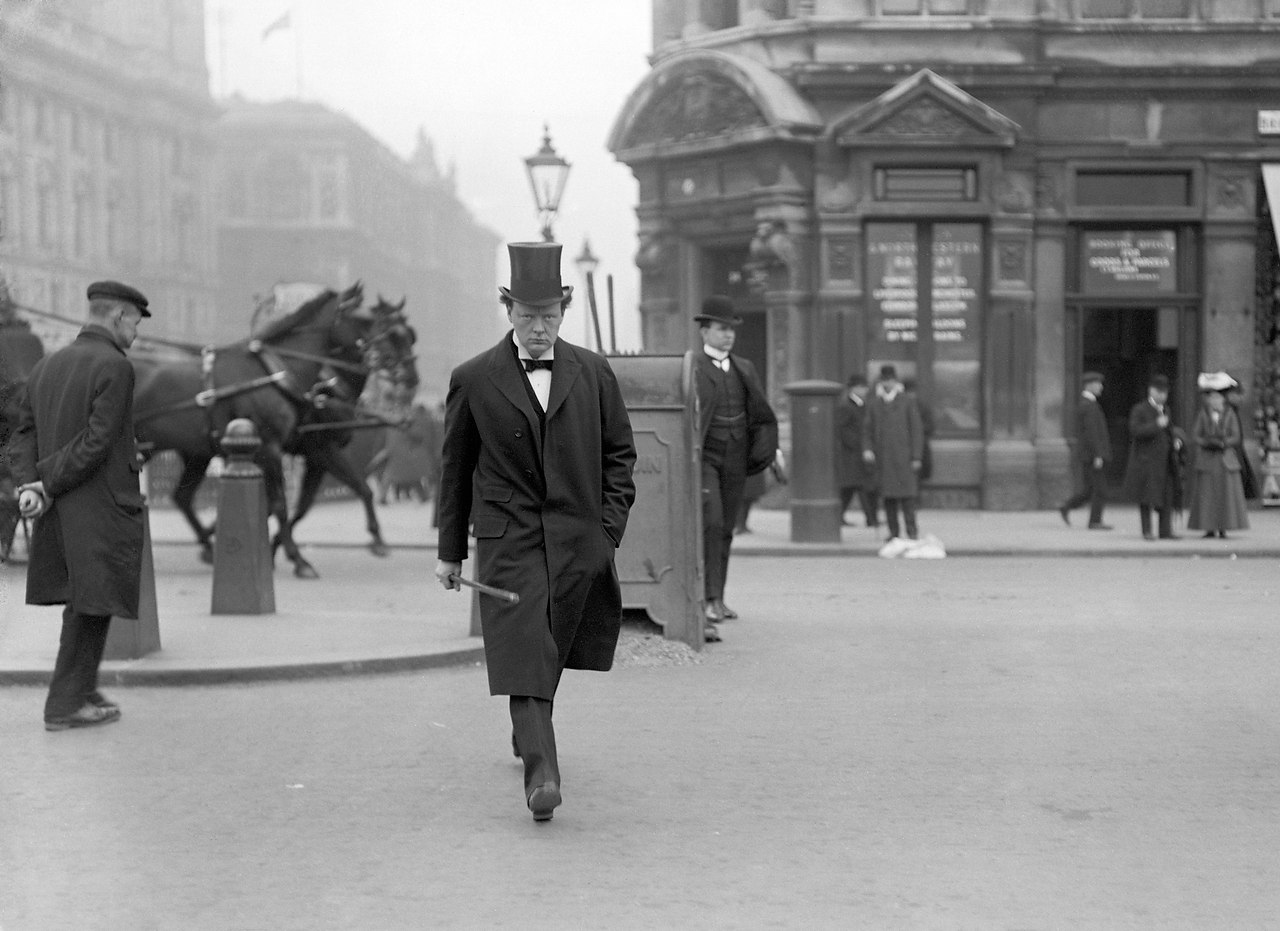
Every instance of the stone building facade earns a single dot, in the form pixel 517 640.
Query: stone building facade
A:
pixel 994 195
pixel 106 159
pixel 308 195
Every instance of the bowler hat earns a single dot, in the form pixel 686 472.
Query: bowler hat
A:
pixel 888 372
pixel 535 274
pixel 719 309
pixel 1091 376
pixel 115 291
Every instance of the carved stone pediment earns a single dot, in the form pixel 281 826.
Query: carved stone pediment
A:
pixel 925 109
pixel 696 106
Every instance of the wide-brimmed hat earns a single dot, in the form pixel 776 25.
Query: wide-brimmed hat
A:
pixel 535 274
pixel 718 309
pixel 1215 381
pixel 115 291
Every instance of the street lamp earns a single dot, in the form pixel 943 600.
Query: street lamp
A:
pixel 548 173
pixel 587 263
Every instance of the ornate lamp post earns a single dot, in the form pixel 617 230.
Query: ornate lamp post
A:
pixel 548 173
pixel 587 263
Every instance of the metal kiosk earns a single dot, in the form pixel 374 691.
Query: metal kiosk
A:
pixel 660 560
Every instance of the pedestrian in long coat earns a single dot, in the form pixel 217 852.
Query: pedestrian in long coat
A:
pixel 1093 454
pixel 1217 501
pixel 894 448
pixel 76 464
pixel 1153 473
pixel 853 474
pixel 548 452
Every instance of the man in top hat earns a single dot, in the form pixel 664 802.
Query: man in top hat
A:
pixel 739 435
pixel 76 466
pixel 537 427
pixel 1153 474
pixel 1093 453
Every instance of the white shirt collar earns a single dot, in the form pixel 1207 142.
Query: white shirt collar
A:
pixel 718 354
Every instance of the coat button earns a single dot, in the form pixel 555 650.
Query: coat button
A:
pixel 519 434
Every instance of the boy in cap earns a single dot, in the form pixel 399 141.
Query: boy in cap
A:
pixel 76 465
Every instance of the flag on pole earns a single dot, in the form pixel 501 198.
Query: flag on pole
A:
pixel 282 23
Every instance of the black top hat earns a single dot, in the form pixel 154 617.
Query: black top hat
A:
pixel 1091 376
pixel 719 309
pixel 535 274
pixel 115 291
pixel 888 372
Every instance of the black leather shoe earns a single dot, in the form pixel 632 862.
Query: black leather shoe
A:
pixel 726 612
pixel 98 700
pixel 712 613
pixel 515 748
pixel 87 716
pixel 1148 535
pixel 1170 536
pixel 544 800
pixel 1066 516
pixel 710 634
pixel 1099 526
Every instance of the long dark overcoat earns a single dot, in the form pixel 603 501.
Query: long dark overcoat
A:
pixel 1151 475
pixel 75 433
pixel 895 433
pixel 548 513
pixel 851 470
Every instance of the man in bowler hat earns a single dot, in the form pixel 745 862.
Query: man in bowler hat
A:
pixel 537 459
pixel 1153 475
pixel 76 466
pixel 739 435
pixel 1093 453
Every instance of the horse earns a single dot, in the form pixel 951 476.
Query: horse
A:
pixel 328 428
pixel 20 350
pixel 185 404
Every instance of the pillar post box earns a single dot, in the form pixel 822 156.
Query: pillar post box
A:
pixel 815 506
pixel 242 581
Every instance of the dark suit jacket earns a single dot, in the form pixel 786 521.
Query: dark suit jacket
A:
pixel 1092 438
pixel 75 432
pixel 762 424
pixel 548 512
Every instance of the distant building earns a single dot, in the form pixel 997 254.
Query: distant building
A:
pixel 994 195
pixel 106 164
pixel 307 194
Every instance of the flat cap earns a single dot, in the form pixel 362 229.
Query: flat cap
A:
pixel 1091 376
pixel 115 291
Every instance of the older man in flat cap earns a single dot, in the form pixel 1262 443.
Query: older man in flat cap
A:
pixel 76 467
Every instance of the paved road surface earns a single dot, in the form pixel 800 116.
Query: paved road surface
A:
pixel 964 744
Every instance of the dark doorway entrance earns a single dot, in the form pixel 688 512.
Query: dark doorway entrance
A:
pixel 1128 345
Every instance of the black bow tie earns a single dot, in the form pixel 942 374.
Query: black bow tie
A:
pixel 531 365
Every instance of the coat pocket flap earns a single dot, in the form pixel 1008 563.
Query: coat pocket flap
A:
pixel 495 493
pixel 489 527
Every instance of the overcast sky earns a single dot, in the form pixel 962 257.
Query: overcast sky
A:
pixel 481 77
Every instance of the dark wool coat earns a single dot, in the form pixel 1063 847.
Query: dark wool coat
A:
pixel 895 433
pixel 1152 475
pixel 75 433
pixel 548 513
pixel 851 470
pixel 762 424
pixel 1093 441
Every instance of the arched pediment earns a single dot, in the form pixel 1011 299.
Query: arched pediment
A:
pixel 925 109
pixel 707 99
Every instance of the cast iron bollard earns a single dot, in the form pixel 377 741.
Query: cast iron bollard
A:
pixel 815 507
pixel 242 582
pixel 134 638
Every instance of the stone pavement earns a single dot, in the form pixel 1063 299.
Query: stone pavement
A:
pixel 369 614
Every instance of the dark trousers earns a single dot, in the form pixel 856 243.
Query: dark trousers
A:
pixel 1094 492
pixel 75 673
pixel 535 740
pixel 908 514
pixel 1164 519
pixel 867 497
pixel 724 473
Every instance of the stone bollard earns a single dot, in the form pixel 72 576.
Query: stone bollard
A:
pixel 134 638
pixel 242 581
pixel 815 506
